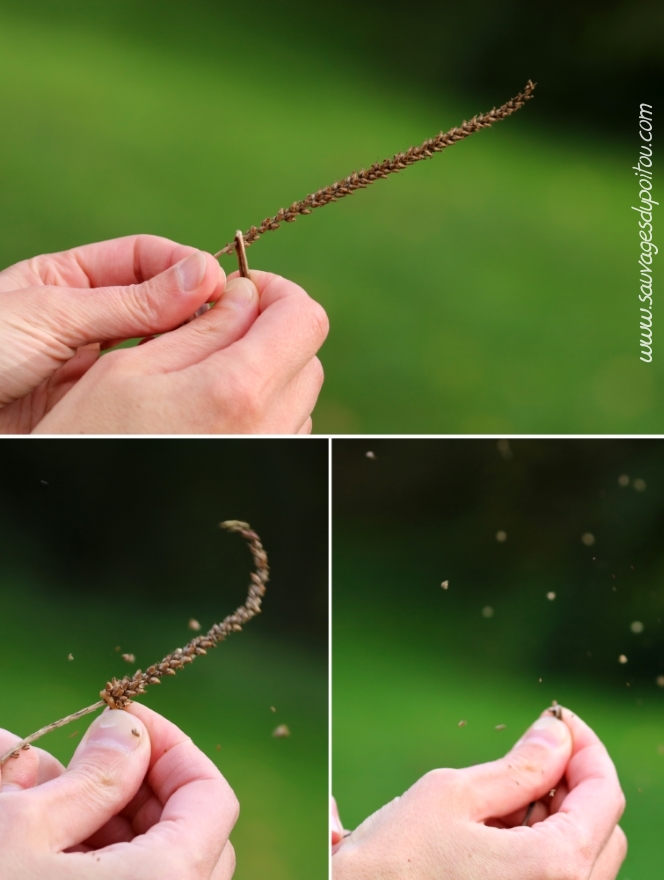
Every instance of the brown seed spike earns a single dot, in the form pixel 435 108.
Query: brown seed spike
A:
pixel 360 179
pixel 118 694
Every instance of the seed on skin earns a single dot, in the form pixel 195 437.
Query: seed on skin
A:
pixel 194 624
pixel 551 596
pixel 135 732
pixel 501 536
pixel 622 659
pixel 445 584
pixel 639 485
pixel 588 539
pixel 636 626
pixel 129 658
pixel 487 611
pixel 552 792
pixel 281 731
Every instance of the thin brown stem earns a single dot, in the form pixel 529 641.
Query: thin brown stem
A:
pixel 361 179
pixel 118 694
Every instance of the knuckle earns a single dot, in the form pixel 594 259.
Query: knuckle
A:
pixel 443 781
pixel 319 321
pixel 242 397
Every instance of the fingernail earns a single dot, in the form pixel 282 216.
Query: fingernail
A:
pixel 115 729
pixel 238 293
pixel 547 730
pixel 9 786
pixel 191 271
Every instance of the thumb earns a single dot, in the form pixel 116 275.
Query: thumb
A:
pixel 534 766
pixel 103 775
pixel 77 317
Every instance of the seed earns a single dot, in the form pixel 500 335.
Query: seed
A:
pixel 501 726
pixel 551 596
pixel 281 731
pixel 639 485
pixel 70 656
pixel 194 624
pixel 588 539
pixel 636 627
pixel 501 536
pixel 622 659
pixel 129 658
pixel 487 611
pixel 135 732
pixel 445 584
pixel 623 480
pixel 462 723
pixel 371 455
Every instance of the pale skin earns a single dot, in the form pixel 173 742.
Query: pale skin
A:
pixel 468 824
pixel 246 366
pixel 141 802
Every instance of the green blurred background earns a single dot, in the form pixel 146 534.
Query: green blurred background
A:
pixel 493 289
pixel 115 543
pixel 411 660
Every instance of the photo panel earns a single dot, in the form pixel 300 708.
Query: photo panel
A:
pixel 112 558
pixel 476 584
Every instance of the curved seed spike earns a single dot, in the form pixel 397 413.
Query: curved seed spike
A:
pixel 118 694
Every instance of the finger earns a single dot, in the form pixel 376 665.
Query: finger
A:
pixel 102 777
pixel 289 409
pixel 595 801
pixel 286 335
pixel 531 769
pixel 225 867
pixel 233 314
pixel 120 261
pixel 307 427
pixel 77 316
pixel 32 766
pixel 612 856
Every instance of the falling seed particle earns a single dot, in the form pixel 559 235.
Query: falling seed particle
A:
pixel 639 485
pixel 660 681
pixel 623 480
pixel 272 709
pixel 129 658
pixel 622 659
pixel 501 536
pixel 501 726
pixel 445 584
pixel 462 723
pixel 552 792
pixel 503 447
pixel 218 747
pixel 487 611
pixel 194 624
pixel 636 627
pixel 588 539
pixel 281 731
pixel 44 482
pixel 117 648
pixel 371 455
pixel 72 735
pixel 551 596
pixel 540 681
pixel 70 656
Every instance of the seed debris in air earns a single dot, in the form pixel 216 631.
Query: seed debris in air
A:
pixel 462 723
pixel 194 624
pixel 588 539
pixel 623 480
pixel 281 731
pixel 501 536
pixel 487 611
pixel 622 659
pixel 500 726
pixel 551 596
pixel 660 681
pixel 371 455
pixel 72 735
pixel 70 656
pixel 636 626
pixel 639 485
pixel 272 709
pixel 129 658
pixel 504 449
pixel 445 584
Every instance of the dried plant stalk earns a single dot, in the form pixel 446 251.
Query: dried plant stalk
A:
pixel 361 179
pixel 118 694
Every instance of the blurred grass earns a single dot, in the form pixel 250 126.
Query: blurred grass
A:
pixel 489 290
pixel 224 700
pixel 404 675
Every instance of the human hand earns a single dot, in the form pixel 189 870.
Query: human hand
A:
pixel 468 824
pixel 248 365
pixel 127 808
